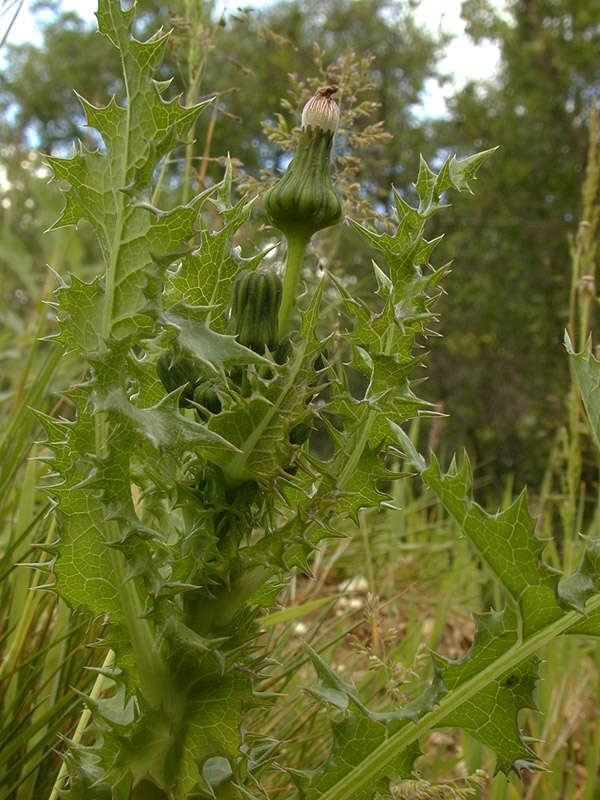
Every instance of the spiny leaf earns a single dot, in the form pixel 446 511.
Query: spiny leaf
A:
pixel 587 374
pixel 85 569
pixel 360 489
pixel 216 350
pixel 165 428
pixel 576 589
pixel 505 541
pixel 460 172
pixel 491 714
pixel 80 314
pixel 426 187
pixel 138 742
pixel 356 734
pixel 205 277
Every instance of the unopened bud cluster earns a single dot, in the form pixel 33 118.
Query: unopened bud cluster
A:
pixel 199 392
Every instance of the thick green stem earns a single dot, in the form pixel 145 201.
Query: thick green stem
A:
pixel 152 671
pixel 211 615
pixel 296 247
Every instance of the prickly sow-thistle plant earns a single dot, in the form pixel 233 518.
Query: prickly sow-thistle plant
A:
pixel 186 487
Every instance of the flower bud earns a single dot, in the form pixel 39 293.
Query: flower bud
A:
pixel 177 370
pixel 300 433
pixel 254 310
pixel 303 201
pixel 205 395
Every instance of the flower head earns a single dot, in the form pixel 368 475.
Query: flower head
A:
pixel 303 200
pixel 321 111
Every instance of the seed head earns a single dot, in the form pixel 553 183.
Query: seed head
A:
pixel 321 111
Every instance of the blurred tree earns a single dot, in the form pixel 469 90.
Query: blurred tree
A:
pixel 501 368
pixel 37 101
pixel 243 59
pixel 404 57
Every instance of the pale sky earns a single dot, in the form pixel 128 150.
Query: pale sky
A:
pixel 463 59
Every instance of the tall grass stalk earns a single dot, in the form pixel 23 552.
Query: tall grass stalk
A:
pixel 583 248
